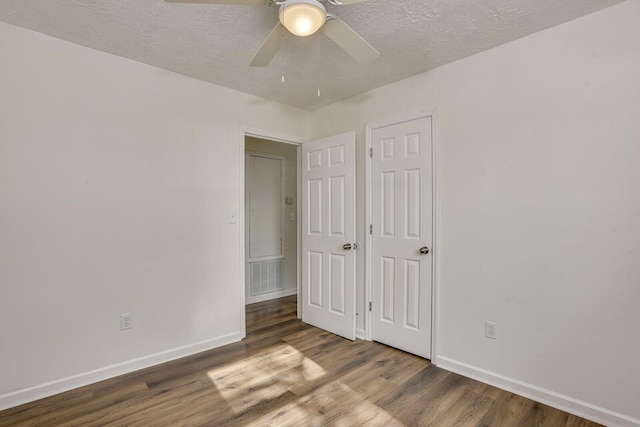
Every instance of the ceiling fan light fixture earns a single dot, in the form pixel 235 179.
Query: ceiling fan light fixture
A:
pixel 303 17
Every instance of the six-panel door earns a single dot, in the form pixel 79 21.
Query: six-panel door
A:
pixel 328 228
pixel 401 203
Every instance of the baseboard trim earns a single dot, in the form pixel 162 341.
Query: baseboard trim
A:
pixel 360 334
pixel 20 397
pixel 539 394
pixel 272 295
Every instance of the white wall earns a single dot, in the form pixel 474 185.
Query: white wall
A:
pixel 290 154
pixel 116 184
pixel 540 207
pixel 117 179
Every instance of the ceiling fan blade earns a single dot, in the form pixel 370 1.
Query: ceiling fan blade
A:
pixel 239 2
pixel 269 48
pixel 352 43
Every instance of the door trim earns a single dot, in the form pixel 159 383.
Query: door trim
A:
pixel 433 114
pixel 247 198
pixel 245 131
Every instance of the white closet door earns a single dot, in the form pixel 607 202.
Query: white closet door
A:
pixel 402 218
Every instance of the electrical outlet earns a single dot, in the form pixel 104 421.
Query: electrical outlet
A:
pixel 126 321
pixel 490 330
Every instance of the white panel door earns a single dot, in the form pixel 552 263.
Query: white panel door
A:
pixel 402 218
pixel 328 234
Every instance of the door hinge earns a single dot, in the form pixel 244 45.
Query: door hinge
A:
pixel 370 228
pixel 371 152
pixel 369 305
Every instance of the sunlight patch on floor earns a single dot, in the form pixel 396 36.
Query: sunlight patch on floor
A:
pixel 335 404
pixel 263 377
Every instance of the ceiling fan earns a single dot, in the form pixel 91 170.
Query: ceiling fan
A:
pixel 303 18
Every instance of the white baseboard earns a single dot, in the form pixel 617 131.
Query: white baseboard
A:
pixel 360 334
pixel 41 391
pixel 271 295
pixel 539 394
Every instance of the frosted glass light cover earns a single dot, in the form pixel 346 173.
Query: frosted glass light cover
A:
pixel 303 17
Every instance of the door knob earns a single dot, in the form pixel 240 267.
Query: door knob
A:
pixel 346 246
pixel 424 250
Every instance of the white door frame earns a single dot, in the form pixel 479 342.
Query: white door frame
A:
pixel 247 195
pixel 247 199
pixel 276 137
pixel 433 113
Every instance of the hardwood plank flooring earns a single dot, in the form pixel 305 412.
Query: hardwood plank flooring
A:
pixel 286 373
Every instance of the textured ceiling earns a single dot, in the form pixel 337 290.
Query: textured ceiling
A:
pixel 216 42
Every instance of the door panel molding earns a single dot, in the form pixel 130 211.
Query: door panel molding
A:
pixel 410 149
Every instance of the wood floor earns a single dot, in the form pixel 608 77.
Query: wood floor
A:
pixel 286 373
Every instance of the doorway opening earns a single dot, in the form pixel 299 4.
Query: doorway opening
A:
pixel 271 219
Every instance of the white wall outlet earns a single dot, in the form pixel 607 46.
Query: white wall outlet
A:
pixel 233 217
pixel 126 321
pixel 292 216
pixel 490 330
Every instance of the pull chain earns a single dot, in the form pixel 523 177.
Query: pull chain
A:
pixel 282 49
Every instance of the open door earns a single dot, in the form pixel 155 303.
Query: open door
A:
pixel 328 234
